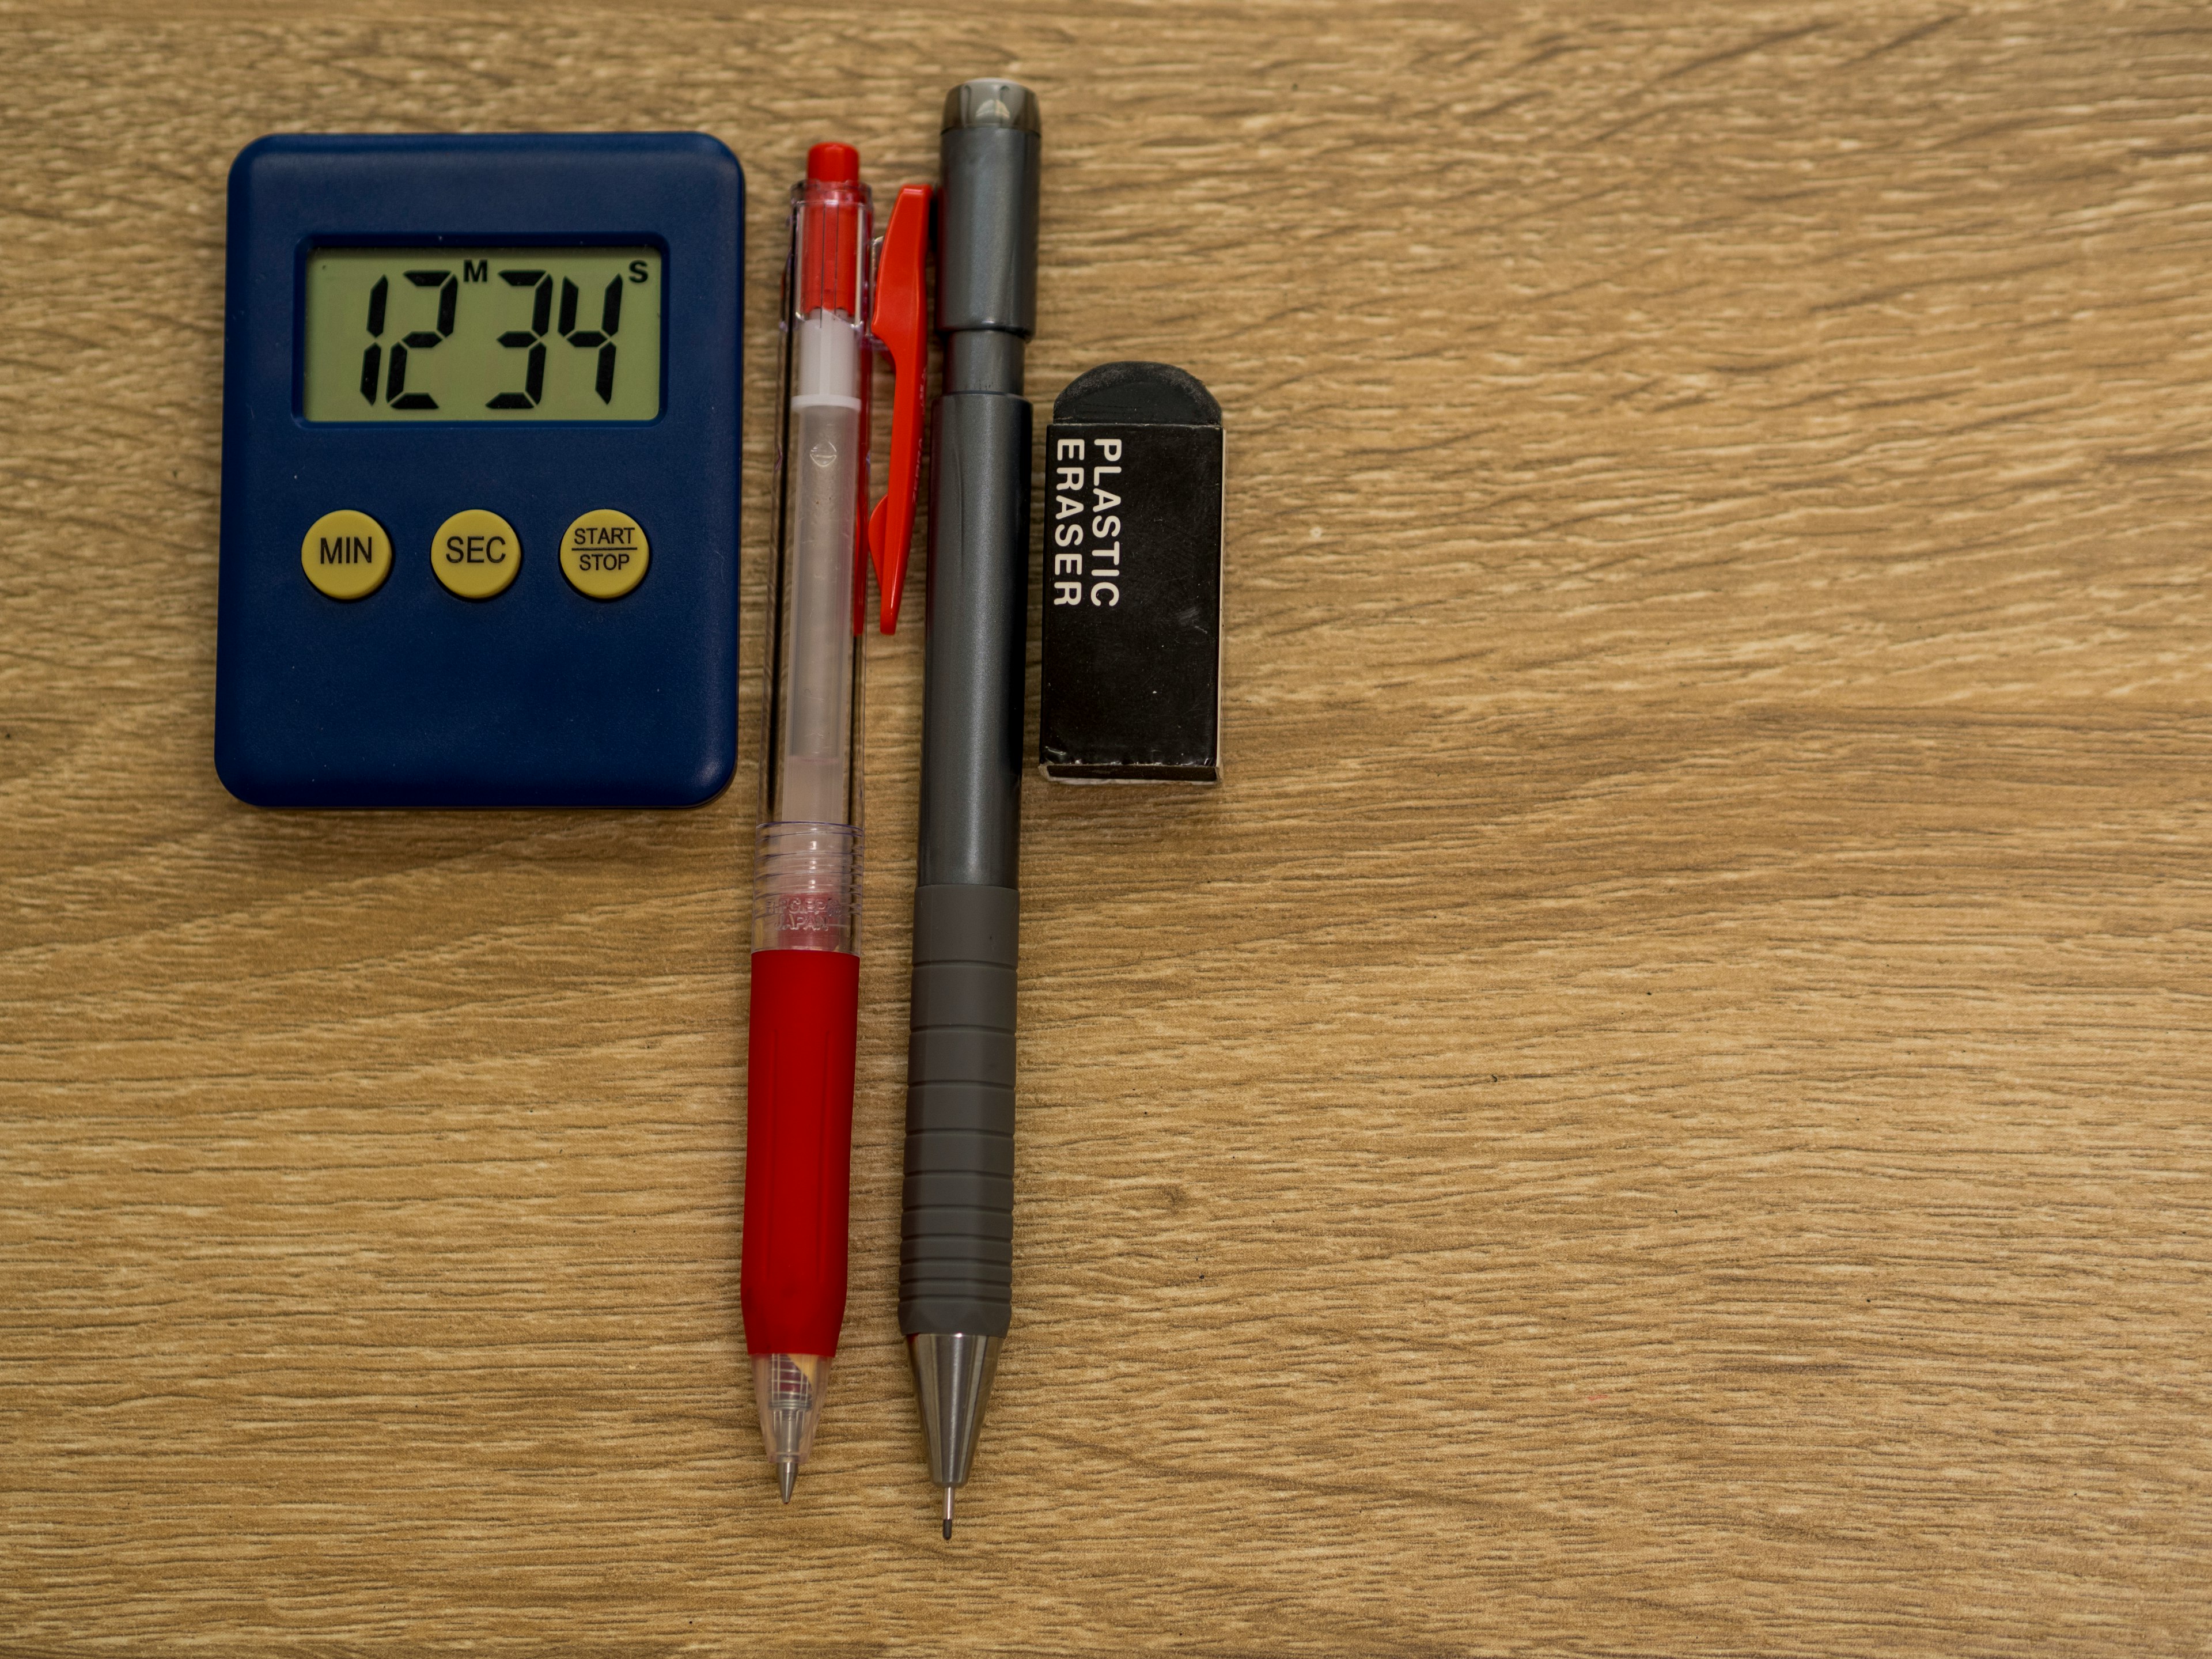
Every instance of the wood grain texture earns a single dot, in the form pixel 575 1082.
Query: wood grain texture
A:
pixel 1662 1109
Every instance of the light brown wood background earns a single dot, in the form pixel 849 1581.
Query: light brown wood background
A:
pixel 1663 1108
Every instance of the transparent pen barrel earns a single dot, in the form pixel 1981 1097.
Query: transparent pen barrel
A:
pixel 812 773
pixel 806 887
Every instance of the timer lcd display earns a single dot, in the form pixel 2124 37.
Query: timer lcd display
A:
pixel 482 334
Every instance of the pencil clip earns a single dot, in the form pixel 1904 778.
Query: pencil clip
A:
pixel 901 326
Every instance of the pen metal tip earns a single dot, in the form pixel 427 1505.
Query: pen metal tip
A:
pixel 948 1515
pixel 787 1476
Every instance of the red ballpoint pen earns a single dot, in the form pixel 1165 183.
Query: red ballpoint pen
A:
pixel 807 871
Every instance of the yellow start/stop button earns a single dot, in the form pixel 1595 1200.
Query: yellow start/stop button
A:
pixel 604 554
pixel 346 554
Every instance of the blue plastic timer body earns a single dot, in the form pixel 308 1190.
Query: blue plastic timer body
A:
pixel 544 696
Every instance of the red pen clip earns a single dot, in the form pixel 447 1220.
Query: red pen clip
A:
pixel 901 326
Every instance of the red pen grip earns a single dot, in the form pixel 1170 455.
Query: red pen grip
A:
pixel 798 1148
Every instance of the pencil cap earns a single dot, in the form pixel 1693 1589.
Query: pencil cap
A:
pixel 1132 579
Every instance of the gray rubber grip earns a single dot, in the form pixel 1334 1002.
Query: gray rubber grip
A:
pixel 956 1245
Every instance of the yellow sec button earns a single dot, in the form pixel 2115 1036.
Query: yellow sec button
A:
pixel 346 555
pixel 604 554
pixel 476 554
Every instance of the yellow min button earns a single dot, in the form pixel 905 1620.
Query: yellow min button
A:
pixel 604 554
pixel 476 554
pixel 346 555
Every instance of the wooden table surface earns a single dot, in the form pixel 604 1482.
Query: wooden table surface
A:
pixel 1662 1108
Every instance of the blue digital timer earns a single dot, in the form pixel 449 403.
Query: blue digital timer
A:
pixel 481 409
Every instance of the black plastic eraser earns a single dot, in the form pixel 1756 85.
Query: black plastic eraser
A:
pixel 1132 579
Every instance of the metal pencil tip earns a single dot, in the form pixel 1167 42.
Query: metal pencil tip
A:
pixel 787 1476
pixel 948 1515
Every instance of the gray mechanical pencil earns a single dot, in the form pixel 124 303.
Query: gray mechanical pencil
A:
pixel 956 1258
